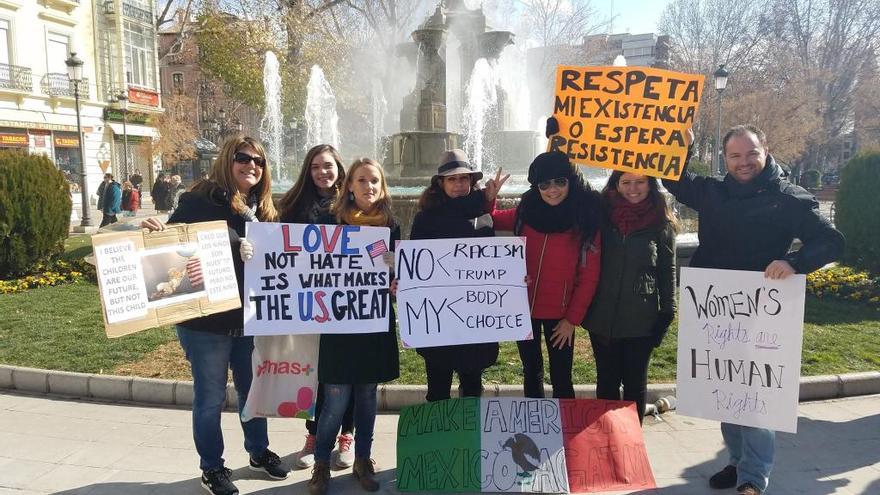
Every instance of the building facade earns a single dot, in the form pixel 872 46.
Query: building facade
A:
pixel 37 99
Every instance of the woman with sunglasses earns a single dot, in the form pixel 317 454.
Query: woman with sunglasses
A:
pixel 635 302
pixel 309 201
pixel 560 217
pixel 352 365
pixel 448 209
pixel 238 191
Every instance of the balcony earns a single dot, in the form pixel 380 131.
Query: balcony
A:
pixel 57 84
pixel 66 6
pixel 16 78
pixel 137 13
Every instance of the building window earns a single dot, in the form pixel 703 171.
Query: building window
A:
pixel 177 82
pixel 57 51
pixel 140 60
pixel 4 42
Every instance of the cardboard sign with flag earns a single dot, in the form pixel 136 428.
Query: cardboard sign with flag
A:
pixel 508 444
pixel 306 278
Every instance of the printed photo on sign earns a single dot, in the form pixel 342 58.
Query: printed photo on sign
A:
pixel 632 119
pixel 172 274
pixel 306 278
pixel 739 347
pixel 462 291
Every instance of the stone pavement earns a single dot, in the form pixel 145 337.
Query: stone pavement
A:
pixel 54 445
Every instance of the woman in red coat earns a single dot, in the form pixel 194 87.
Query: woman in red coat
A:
pixel 560 217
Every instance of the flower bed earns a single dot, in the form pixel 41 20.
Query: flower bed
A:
pixel 48 274
pixel 844 283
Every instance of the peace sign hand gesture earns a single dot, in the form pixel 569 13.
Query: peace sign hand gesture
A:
pixel 494 185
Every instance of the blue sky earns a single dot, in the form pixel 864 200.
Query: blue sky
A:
pixel 634 16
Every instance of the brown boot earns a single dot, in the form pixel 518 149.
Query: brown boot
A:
pixel 320 478
pixel 364 472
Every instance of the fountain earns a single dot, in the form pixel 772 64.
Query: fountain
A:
pixel 270 125
pixel 485 106
pixel 322 121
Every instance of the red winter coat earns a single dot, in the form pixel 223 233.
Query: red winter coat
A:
pixel 563 279
pixel 134 199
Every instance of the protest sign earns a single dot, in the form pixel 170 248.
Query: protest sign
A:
pixel 739 347
pixel 285 377
pixel 150 279
pixel 475 287
pixel 631 119
pixel 306 278
pixel 521 445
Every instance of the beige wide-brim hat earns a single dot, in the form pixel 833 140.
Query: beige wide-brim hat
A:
pixel 454 162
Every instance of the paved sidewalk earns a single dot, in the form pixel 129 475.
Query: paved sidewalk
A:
pixel 52 445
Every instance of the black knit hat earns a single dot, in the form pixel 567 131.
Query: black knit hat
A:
pixel 550 165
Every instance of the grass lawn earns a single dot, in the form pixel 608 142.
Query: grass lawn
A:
pixel 60 328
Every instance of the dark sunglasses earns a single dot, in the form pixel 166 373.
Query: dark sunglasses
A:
pixel 559 182
pixel 244 158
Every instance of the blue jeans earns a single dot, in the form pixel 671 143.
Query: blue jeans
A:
pixel 211 355
pixel 336 399
pixel 751 451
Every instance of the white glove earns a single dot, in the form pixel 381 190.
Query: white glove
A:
pixel 246 250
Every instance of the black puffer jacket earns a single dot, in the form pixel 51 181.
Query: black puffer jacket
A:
pixel 453 220
pixel 747 226
pixel 196 207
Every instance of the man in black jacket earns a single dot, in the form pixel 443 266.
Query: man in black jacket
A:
pixel 748 221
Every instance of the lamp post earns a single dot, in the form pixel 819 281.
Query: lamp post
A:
pixel 720 85
pixel 224 126
pixel 122 101
pixel 74 73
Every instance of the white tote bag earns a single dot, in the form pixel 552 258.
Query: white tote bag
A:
pixel 285 382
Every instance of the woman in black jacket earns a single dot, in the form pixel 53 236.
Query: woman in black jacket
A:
pixel 635 300
pixel 238 191
pixel 448 209
pixel 309 201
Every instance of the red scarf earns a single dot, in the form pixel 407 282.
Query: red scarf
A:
pixel 631 217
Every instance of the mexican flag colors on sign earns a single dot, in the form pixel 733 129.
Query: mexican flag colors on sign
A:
pixel 508 444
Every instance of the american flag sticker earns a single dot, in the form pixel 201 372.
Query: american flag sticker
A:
pixel 376 249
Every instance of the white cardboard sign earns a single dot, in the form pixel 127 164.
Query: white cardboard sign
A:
pixel 462 291
pixel 739 347
pixel 307 278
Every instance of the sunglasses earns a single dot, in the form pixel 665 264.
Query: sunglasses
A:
pixel 244 158
pixel 560 182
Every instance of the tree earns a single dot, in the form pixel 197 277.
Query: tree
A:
pixel 177 132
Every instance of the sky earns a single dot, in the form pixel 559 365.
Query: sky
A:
pixel 633 16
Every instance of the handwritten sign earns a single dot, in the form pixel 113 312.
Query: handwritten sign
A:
pixel 739 347
pixel 308 278
pixel 456 291
pixel 631 119
pixel 151 279
pixel 521 445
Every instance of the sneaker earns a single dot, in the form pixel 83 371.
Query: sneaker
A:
pixel 306 456
pixel 216 481
pixel 748 489
pixel 344 455
pixel 726 478
pixel 269 463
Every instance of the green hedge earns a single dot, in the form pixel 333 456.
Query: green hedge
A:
pixel 34 211
pixel 857 211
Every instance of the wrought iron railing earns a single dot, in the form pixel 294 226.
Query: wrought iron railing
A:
pixel 15 77
pixel 57 84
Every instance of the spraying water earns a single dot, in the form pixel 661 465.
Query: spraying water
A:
pixel 270 126
pixel 481 101
pixel 379 109
pixel 322 121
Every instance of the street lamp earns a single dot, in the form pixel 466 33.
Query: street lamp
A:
pixel 224 126
pixel 122 104
pixel 74 73
pixel 720 85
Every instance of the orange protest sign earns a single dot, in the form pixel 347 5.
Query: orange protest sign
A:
pixel 632 119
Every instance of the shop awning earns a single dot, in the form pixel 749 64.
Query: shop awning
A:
pixel 134 130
